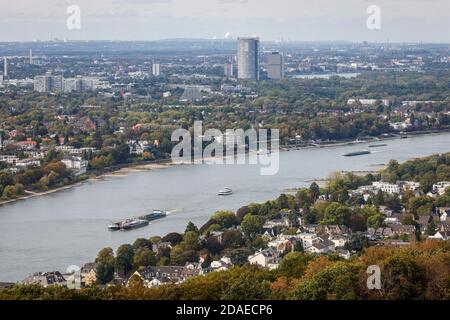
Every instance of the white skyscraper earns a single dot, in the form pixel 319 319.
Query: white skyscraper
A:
pixel 228 70
pixel 5 67
pixel 156 69
pixel 275 66
pixel 48 83
pixel 247 55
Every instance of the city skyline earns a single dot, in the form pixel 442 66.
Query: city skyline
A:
pixel 323 20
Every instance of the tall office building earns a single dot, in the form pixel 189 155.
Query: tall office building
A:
pixel 31 56
pixel 275 66
pixel 247 55
pixel 72 84
pixel 48 83
pixel 41 83
pixel 228 70
pixel 5 67
pixel 156 69
pixel 56 83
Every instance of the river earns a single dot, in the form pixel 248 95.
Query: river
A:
pixel 67 228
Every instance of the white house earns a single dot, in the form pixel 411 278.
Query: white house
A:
pixel 266 259
pixel 440 187
pixel 339 241
pixel 221 265
pixel 321 247
pixel 307 239
pixel 77 164
pixel 387 187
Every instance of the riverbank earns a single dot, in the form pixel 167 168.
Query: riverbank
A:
pixel 31 194
pixel 121 170
pixel 129 168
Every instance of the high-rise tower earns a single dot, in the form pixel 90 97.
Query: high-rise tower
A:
pixel 247 56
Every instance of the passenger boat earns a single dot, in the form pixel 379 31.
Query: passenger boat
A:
pixel 225 192
pixel 377 145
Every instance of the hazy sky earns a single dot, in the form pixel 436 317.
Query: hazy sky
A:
pixel 306 20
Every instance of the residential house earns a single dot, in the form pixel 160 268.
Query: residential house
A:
pixel 400 229
pixel 343 253
pixel 155 276
pixel 89 274
pixel 321 246
pixel 387 212
pixel 218 235
pixel 440 187
pixel 282 244
pixel 387 187
pixel 27 144
pixel 161 246
pixel 307 239
pixel 444 214
pixel 339 240
pixel 380 233
pixel 337 230
pixel 47 279
pixel 77 164
pixel 409 185
pixel 223 264
pixel 265 258
pixel 137 147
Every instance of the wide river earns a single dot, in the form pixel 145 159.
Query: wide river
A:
pixel 67 228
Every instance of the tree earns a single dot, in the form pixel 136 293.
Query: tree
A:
pixel 213 246
pixel 314 191
pixel 188 256
pixel 124 259
pixel 104 273
pixel 175 255
pixel 105 265
pixel 375 221
pixel 242 212
pixel 338 281
pixel 293 265
pixel 239 256
pixel 105 255
pixel 252 226
pixel 403 278
pixel 337 213
pixel 298 247
pixel 174 238
pixel 142 243
pixel 226 219
pixel 232 239
pixel 283 202
pixel 358 223
pixel 249 287
pixel 144 257
pixel 190 241
pixel 191 228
